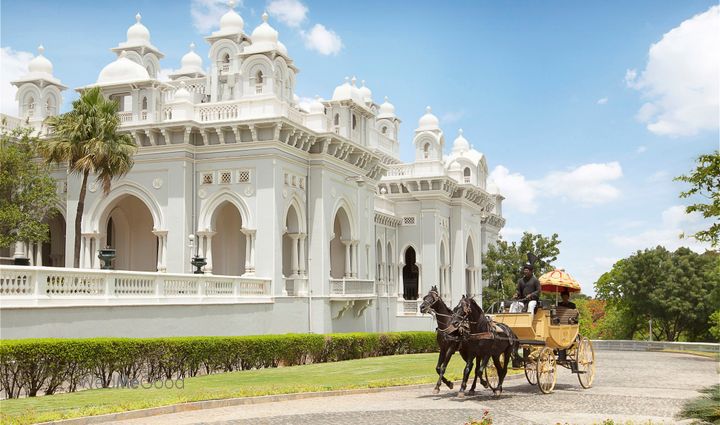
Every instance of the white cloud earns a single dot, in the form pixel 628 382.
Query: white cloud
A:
pixel 641 149
pixel 659 176
pixel 290 12
pixel 452 117
pixel 602 101
pixel 322 40
pixel 519 192
pixel 680 79
pixel 587 184
pixel 304 102
pixel 14 65
pixel 206 13
pixel 674 223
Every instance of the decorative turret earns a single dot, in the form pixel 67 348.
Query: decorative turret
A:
pixel 429 140
pixel 139 49
pixel 39 92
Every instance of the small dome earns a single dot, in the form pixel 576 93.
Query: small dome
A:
pixel 460 144
pixel 191 62
pixel 387 109
pixel 316 106
pixel 182 94
pixel 282 48
pixel 365 93
pixel 343 91
pixel 231 22
pixel 428 121
pixel 122 69
pixel 138 33
pixel 40 64
pixel 264 33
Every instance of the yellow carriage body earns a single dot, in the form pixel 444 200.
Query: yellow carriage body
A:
pixel 540 328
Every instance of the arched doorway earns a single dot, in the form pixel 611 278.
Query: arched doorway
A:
pixel 411 275
pixel 469 268
pixel 53 250
pixel 228 242
pixel 129 230
pixel 341 248
pixel 291 239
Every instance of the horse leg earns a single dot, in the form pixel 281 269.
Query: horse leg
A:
pixel 466 375
pixel 439 369
pixel 448 356
pixel 502 371
pixel 478 372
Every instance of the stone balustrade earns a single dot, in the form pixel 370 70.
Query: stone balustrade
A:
pixel 349 287
pixel 49 286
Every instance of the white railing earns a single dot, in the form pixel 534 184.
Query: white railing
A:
pixel 143 115
pixel 295 287
pixel 409 307
pixel 49 286
pixel 9 123
pixel 125 116
pixel 400 170
pixel 217 112
pixel 225 67
pixel 352 287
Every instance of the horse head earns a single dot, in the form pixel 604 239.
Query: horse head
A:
pixel 430 300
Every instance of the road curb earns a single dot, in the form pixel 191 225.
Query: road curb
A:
pixel 239 401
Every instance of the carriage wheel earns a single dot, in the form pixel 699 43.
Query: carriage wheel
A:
pixel 491 374
pixel 585 358
pixel 546 370
pixel 531 371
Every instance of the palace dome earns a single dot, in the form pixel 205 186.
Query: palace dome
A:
pixel 138 33
pixel 428 121
pixel 122 69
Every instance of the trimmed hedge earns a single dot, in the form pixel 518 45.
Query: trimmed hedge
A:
pixel 32 366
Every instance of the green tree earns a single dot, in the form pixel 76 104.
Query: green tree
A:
pixel 677 290
pixel 502 265
pixel 705 181
pixel 87 140
pixel 27 191
pixel 714 323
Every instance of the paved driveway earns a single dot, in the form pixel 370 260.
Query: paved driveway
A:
pixel 629 386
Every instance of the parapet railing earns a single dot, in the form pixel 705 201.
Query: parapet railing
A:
pixel 632 345
pixel 22 286
pixel 351 287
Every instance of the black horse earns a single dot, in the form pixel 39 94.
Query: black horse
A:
pixel 447 336
pixel 482 340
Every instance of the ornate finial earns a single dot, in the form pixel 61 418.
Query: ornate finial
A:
pixel 231 4
pixel 353 80
pixel 138 17
pixel 265 17
pixel 386 98
pixel 460 131
pixel 363 83
pixel 428 109
pixel 41 49
pixel 192 47
pixel 347 80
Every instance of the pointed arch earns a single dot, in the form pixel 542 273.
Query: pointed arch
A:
pixel 213 201
pixel 410 274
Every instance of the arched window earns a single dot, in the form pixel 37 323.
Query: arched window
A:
pixel 30 105
pixel 354 122
pixel 384 130
pixel 144 103
pixel 426 151
pixel 466 175
pixel 226 58
pixel 259 82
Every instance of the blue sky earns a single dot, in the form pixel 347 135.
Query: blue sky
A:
pixel 579 143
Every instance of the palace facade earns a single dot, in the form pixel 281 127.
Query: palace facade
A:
pixel 307 217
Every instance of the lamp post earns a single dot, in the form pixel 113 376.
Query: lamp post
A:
pixel 196 261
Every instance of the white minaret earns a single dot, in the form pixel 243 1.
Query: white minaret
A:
pixel 39 92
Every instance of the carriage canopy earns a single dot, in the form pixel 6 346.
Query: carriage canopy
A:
pixel 559 280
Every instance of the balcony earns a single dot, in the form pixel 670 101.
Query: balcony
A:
pixel 352 288
pixel 62 287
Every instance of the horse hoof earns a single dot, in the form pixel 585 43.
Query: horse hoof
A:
pixel 471 392
pixel 450 385
pixel 436 390
pixel 461 394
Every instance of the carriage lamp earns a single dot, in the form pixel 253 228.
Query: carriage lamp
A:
pixel 196 261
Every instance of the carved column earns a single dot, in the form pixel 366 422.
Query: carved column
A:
pixel 347 258
pixel 294 254
pixel 303 238
pixel 161 249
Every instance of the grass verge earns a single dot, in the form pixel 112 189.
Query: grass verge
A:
pixel 705 408
pixel 714 356
pixel 363 373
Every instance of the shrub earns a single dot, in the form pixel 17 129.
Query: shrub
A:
pixel 31 366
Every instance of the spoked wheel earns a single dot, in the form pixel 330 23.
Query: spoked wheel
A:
pixel 531 371
pixel 546 370
pixel 585 357
pixel 491 374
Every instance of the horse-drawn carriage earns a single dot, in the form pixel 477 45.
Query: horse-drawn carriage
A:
pixel 549 338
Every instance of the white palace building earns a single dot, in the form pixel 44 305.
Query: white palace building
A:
pixel 307 217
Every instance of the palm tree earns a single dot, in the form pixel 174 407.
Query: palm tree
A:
pixel 86 138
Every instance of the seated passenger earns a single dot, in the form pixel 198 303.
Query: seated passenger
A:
pixel 528 290
pixel 566 300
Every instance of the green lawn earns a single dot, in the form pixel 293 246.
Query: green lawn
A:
pixel 363 373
